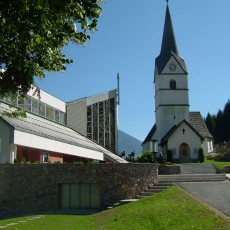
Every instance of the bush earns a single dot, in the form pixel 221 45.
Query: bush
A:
pixel 201 155
pixel 146 157
pixel 223 153
pixel 169 156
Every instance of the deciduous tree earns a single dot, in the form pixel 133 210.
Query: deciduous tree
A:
pixel 33 33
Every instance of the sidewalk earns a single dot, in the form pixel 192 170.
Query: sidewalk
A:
pixel 216 194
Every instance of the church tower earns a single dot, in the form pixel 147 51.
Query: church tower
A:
pixel 171 83
pixel 176 131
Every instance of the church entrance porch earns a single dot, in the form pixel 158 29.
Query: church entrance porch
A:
pixel 184 153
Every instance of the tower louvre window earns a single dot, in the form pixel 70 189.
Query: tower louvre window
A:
pixel 172 84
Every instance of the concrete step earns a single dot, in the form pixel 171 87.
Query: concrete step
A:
pixel 121 202
pixel 181 178
pixel 150 193
pixel 197 168
pixel 141 196
pixel 162 183
pixel 157 187
pixel 191 177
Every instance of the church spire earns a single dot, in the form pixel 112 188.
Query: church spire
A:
pixel 168 46
pixel 168 41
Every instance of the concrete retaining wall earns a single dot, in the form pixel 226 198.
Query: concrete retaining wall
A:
pixel 30 188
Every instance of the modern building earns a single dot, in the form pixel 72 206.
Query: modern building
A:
pixel 49 131
pixel 96 118
pixel 176 128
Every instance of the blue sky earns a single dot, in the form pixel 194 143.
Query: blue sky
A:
pixel 129 39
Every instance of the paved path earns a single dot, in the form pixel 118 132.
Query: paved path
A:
pixel 193 168
pixel 216 194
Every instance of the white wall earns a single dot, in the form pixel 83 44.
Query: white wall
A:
pixel 6 133
pixel 33 141
pixel 165 118
pixel 49 100
pixel 190 138
pixel 207 146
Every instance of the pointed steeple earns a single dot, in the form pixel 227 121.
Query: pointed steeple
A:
pixel 168 41
pixel 168 46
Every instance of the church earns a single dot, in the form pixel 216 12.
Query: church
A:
pixel 176 128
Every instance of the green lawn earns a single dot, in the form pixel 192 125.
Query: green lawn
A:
pixel 219 165
pixel 170 209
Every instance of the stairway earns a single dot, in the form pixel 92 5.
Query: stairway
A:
pixel 155 189
pixel 189 173
pixel 197 168
pixel 191 178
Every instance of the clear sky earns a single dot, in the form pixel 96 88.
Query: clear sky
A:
pixel 129 39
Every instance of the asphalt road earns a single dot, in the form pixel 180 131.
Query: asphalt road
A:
pixel 216 194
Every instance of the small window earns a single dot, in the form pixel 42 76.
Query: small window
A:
pixel 34 106
pixel 62 118
pixel 49 112
pixel 172 84
pixel 45 157
pixel 42 109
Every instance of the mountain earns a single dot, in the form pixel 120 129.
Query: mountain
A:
pixel 128 143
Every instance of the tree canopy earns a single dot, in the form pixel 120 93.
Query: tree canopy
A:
pixel 33 33
pixel 219 124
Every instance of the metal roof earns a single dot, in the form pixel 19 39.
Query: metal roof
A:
pixel 42 127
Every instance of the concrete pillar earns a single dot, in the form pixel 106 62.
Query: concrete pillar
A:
pixel 13 152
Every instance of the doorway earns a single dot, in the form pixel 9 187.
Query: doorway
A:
pixel 184 153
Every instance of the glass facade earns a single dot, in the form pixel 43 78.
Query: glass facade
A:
pixel 101 123
pixel 38 107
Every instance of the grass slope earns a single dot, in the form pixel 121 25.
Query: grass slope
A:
pixel 219 165
pixel 170 209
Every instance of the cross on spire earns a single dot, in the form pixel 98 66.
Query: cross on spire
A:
pixel 183 130
pixel 167 1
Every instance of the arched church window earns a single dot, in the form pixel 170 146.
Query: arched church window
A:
pixel 172 84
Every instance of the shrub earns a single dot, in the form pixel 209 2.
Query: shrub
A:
pixel 16 161
pixel 201 155
pixel 146 157
pixel 169 156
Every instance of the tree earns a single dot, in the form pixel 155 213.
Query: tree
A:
pixel 219 131
pixel 146 157
pixel 226 121
pixel 201 155
pixel 33 33
pixel 210 122
pixel 169 156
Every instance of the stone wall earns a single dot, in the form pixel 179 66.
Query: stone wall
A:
pixel 227 169
pixel 168 169
pixel 30 188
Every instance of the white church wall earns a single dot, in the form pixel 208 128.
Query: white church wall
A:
pixel 189 137
pixel 172 98
pixel 162 82
pixel 177 70
pixel 168 116
pixel 207 146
